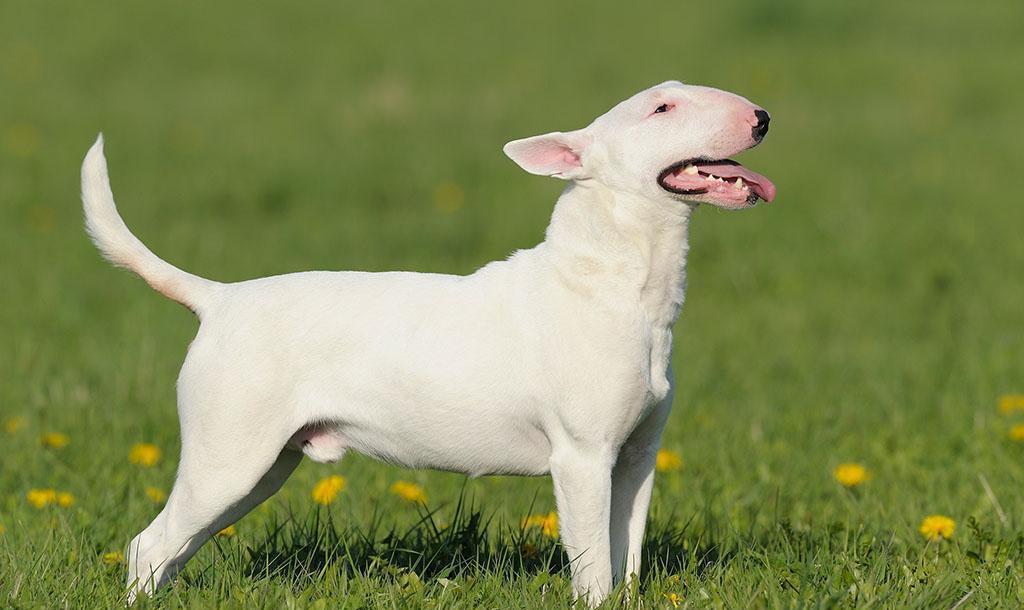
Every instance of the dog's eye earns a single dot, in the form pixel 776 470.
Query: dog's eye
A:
pixel 662 108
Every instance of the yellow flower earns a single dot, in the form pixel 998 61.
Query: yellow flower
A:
pixel 144 454
pixel 1011 402
pixel 2 529
pixel 227 532
pixel 1017 433
pixel 409 491
pixel 327 489
pixel 850 474
pixel 548 524
pixel 673 599
pixel 41 498
pixel 54 440
pixel 936 527
pixel 113 558
pixel 668 460
pixel 21 140
pixel 13 424
pixel 448 197
pixel 156 494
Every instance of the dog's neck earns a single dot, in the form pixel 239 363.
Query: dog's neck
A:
pixel 611 245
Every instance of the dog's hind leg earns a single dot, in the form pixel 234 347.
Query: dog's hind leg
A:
pixel 216 486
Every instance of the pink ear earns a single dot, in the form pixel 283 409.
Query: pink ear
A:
pixel 553 154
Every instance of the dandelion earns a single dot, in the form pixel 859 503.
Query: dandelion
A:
pixel 548 524
pixel 2 529
pixel 673 599
pixel 41 498
pixel 937 527
pixel 21 140
pixel 850 474
pixel 1011 402
pixel 144 454
pixel 409 491
pixel 668 460
pixel 1017 433
pixel 227 532
pixel 113 558
pixel 155 494
pixel 325 491
pixel 13 424
pixel 54 440
pixel 448 197
pixel 187 136
pixel 41 218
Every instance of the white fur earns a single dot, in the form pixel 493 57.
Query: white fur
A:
pixel 556 360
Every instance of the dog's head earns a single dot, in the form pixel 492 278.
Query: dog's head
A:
pixel 670 142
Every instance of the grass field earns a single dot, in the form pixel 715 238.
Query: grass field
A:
pixel 874 314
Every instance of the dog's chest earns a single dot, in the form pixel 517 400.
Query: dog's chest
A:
pixel 619 369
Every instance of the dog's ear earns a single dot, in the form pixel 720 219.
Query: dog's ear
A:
pixel 554 154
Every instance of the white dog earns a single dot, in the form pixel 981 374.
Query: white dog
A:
pixel 556 360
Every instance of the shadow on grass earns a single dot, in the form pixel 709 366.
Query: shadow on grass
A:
pixel 299 549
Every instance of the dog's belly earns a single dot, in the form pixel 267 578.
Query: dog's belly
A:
pixel 475 448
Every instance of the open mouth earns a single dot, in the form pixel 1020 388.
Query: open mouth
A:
pixel 723 182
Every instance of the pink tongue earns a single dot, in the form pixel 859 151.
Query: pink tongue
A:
pixel 762 186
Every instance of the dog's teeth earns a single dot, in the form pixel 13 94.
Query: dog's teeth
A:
pixel 690 170
pixel 739 183
pixel 712 177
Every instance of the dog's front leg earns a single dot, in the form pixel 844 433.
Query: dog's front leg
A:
pixel 582 481
pixel 632 482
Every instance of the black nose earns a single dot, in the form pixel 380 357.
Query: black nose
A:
pixel 761 128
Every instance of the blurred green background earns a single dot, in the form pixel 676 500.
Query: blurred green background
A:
pixel 872 314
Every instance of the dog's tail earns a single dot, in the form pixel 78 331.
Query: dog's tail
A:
pixel 120 247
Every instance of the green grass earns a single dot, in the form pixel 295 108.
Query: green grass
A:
pixel 875 313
